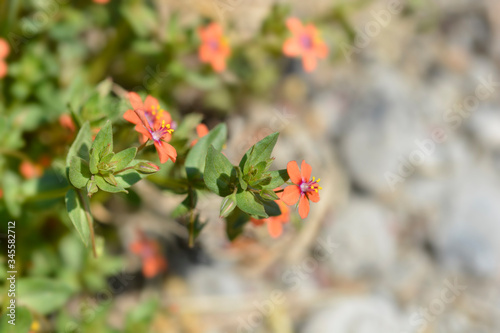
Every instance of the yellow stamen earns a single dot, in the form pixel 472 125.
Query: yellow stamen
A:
pixel 319 179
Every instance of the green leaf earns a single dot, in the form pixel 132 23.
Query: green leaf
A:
pixel 196 158
pixel 271 207
pixel 81 145
pixel 106 187
pixel 235 223
pixel 77 214
pixel 103 139
pixel 79 173
pixel 22 323
pixel 94 161
pixel 248 203
pixel 260 152
pixel 279 177
pixel 124 158
pixel 110 179
pixel 42 294
pixel 220 174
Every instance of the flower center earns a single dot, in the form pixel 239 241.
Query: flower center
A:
pixel 306 41
pixel 162 131
pixel 310 186
pixel 213 44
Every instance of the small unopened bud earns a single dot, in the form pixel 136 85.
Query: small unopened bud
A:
pixel 91 187
pixel 110 179
pixel 146 167
pixel 228 205
pixel 268 195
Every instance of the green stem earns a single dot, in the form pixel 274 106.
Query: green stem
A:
pixel 141 147
pixel 128 168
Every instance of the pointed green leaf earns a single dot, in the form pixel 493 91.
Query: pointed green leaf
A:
pixel 77 214
pixel 124 158
pixel 248 203
pixel 260 152
pixel 235 223
pixel 43 295
pixel 79 173
pixel 81 145
pixel 196 158
pixel 220 175
pixel 103 139
pixel 268 195
pixel 106 187
pixel 279 177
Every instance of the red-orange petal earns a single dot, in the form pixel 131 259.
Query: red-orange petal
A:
pixel 309 62
pixel 165 151
pixel 303 207
pixel 313 196
pixel 135 100
pixel 218 63
pixel 294 25
pixel 321 49
pixel 4 48
pixel 305 171
pixel 150 102
pixel 292 47
pixel 132 117
pixel 274 227
pixel 204 53
pixel 293 171
pixel 201 130
pixel 291 195
pixel 143 120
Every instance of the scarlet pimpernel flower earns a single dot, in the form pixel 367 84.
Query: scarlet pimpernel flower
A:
pixel 153 123
pixel 304 188
pixel 275 223
pixel 214 48
pixel 305 43
pixel 149 250
pixel 4 52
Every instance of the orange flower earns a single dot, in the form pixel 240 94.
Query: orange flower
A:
pixel 1 193
pixel 4 52
pixel 30 170
pixel 275 223
pixel 101 2
pixel 214 48
pixel 149 250
pixel 304 188
pixel 153 123
pixel 305 43
pixel 201 130
pixel 67 122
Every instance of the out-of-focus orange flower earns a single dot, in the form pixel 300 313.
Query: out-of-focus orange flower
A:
pixel 275 223
pixel 101 2
pixel 304 188
pixel 153 123
pixel 201 131
pixel 67 122
pixel 149 250
pixel 214 48
pixel 4 52
pixel 305 43
pixel 30 170
pixel 1 193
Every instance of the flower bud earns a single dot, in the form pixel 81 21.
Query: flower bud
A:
pixel 268 195
pixel 91 187
pixel 228 205
pixel 146 167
